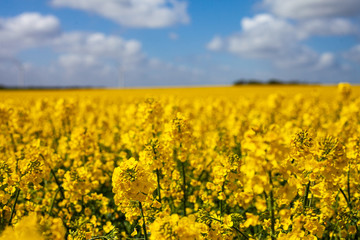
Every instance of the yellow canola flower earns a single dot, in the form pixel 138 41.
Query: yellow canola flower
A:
pixel 251 220
pixel 26 229
pixel 176 227
pixel 132 181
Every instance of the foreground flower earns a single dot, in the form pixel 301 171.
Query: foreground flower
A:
pixel 132 181
pixel 26 229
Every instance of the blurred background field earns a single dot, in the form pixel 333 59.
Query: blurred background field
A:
pixel 327 92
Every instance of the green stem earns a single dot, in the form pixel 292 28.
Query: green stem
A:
pixel 221 213
pixel 272 214
pixel 348 184
pixel 17 193
pixel 158 184
pixel 305 203
pixel 221 201
pixel 184 188
pixel 56 180
pixel 53 201
pixel 346 199
pixel 143 217
pixel 58 184
pixel 349 205
pixel 343 193
pixel 238 230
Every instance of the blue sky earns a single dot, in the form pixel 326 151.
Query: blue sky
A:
pixel 136 43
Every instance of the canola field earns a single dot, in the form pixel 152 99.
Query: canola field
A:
pixel 249 162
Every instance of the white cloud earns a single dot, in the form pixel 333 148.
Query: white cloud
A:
pixel 263 36
pixel 259 20
pixel 304 9
pixel 215 44
pixel 279 41
pixel 83 58
pixel 327 27
pixel 96 58
pixel 326 60
pixel 134 13
pixel 277 44
pixel 71 61
pixel 26 30
pixel 99 46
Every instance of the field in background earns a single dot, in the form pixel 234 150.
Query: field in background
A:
pixel 232 92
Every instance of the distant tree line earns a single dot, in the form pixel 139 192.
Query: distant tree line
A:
pixel 272 81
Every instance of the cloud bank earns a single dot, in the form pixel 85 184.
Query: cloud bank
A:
pixel 305 9
pixel 27 30
pixel 81 58
pixel 134 13
pixel 276 41
pixel 279 36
